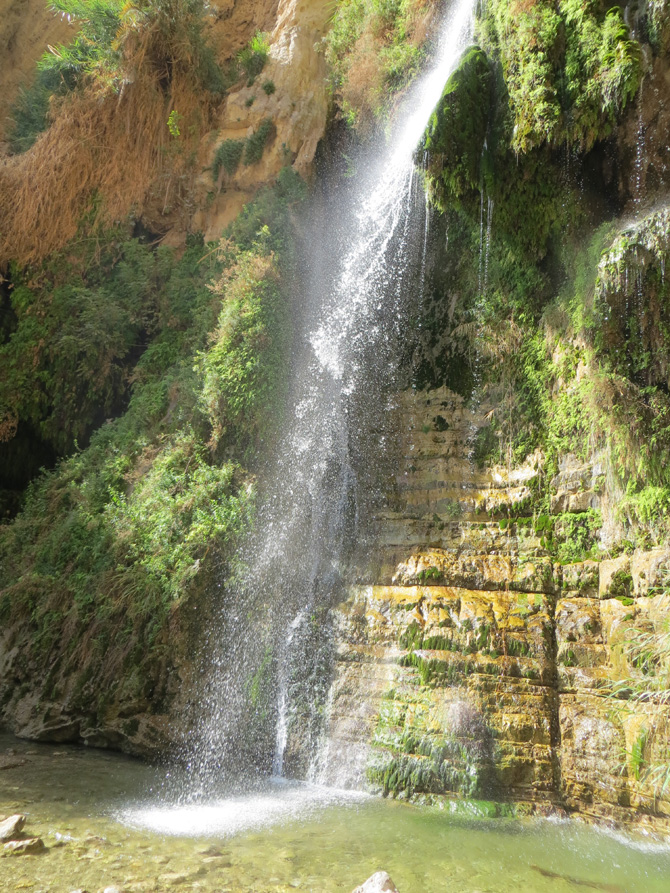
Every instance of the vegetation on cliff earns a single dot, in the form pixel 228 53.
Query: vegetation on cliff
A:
pixel 110 541
pixel 373 50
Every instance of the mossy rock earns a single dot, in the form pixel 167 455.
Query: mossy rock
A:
pixel 456 132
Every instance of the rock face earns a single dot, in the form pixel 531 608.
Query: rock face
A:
pixel 291 93
pixel 478 665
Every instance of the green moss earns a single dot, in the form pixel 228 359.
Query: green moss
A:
pixel 456 133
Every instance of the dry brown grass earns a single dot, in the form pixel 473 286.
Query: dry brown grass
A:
pixel 109 147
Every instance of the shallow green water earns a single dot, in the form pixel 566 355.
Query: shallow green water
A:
pixel 81 803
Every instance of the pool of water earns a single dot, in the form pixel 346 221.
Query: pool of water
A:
pixel 106 822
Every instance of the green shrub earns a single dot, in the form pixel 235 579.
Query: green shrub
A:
pixel 253 57
pixel 228 156
pixel 256 143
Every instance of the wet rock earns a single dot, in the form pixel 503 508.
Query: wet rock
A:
pixel 647 569
pixel 573 475
pixel 172 879
pixel 582 577
pixel 379 882
pixel 612 572
pixel 560 502
pixel 11 827
pixel 10 761
pixel 583 501
pixel 30 846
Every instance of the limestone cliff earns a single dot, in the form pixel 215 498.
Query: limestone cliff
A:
pixel 294 100
pixel 477 665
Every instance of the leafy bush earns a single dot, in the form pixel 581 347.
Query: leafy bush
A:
pixel 256 143
pixel 252 58
pixel 228 156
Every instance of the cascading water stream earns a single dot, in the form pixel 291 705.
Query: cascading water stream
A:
pixel 272 657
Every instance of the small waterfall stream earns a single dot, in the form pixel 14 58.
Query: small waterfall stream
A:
pixel 272 644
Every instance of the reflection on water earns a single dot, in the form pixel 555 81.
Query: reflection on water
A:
pixel 94 812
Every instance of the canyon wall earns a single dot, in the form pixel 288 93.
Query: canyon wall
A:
pixel 477 665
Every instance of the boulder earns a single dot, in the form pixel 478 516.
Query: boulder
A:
pixel 28 846
pixel 11 827
pixel 648 569
pixel 380 882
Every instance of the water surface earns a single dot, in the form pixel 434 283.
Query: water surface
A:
pixel 101 817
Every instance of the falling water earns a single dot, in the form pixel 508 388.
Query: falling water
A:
pixel 480 281
pixel 271 644
pixel 640 151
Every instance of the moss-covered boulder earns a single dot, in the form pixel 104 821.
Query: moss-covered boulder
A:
pixel 456 133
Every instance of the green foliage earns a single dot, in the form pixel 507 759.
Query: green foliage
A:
pixel 176 511
pixel 174 123
pixel 228 156
pixel 569 68
pixel 271 208
pixel 455 136
pixel 256 143
pixel 373 50
pixel 658 24
pixel 78 324
pixel 242 366
pixel 230 153
pixel 576 536
pixel 253 57
pixel 114 536
pixel 269 87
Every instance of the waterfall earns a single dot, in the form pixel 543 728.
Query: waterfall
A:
pixel 272 644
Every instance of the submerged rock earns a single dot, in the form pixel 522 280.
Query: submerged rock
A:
pixel 28 846
pixel 379 882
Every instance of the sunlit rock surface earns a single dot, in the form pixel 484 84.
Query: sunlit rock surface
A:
pixel 479 666
pixel 297 108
